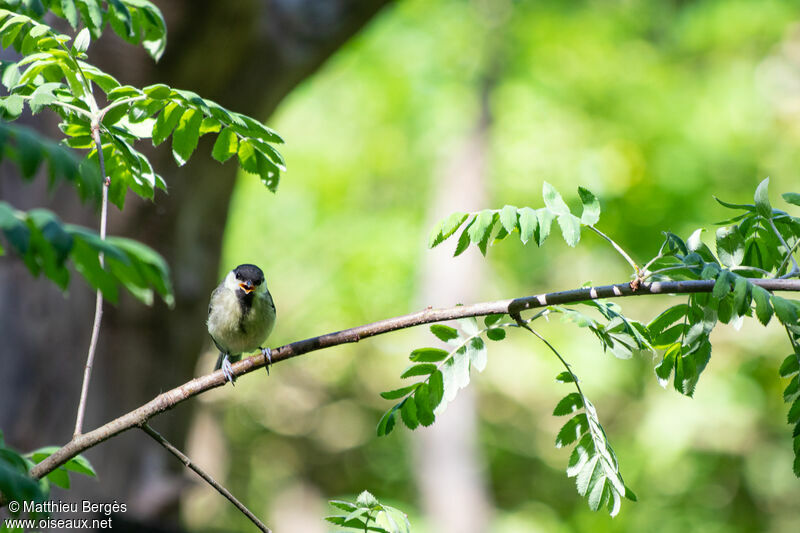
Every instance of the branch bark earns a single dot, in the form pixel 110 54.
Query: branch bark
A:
pixel 167 400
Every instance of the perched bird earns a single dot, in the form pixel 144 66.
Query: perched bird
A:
pixel 241 316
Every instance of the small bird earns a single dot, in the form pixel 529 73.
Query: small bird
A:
pixel 241 316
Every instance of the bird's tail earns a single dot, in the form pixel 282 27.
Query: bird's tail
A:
pixel 221 358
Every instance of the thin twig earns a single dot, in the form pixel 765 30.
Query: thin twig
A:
pixel 795 269
pixel 98 306
pixel 182 457
pixel 790 254
pixel 618 248
pixel 102 113
pixel 71 107
pixel 168 400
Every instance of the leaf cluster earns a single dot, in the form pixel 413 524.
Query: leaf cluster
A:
pixel 54 74
pixel 30 151
pixel 46 245
pixel 16 484
pixel 446 372
pixel 482 228
pixel 623 336
pixel 790 369
pixel 136 21
pixel 56 77
pixel 592 463
pixel 60 476
pixel 368 514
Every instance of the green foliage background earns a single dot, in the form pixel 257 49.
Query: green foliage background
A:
pixel 654 106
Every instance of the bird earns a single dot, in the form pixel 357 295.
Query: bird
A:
pixel 241 315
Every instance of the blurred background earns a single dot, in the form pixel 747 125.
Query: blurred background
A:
pixel 654 106
pixel 409 112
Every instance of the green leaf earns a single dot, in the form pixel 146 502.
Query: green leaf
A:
pixel 667 365
pixel 447 227
pixel 226 145
pixel 669 316
pixel 792 197
pixel 572 430
pixel 493 319
pixel 496 334
pixel 545 218
pixel 460 368
pixel 508 218
pixel 469 325
pixel 741 295
pixel 747 207
pixel 476 351
pixel 59 477
pixel 158 91
pixel 70 12
pixel 591 207
pixel 528 223
pixel 14 229
pixel 444 333
pixel 408 413
pixel 689 367
pixel 366 499
pixel 82 40
pixel 794 412
pixel 482 226
pixel 343 505
pixel 11 106
pixel 564 377
pixel 553 200
pixel 424 408
pixel 166 122
pixel 186 135
pixel 763 206
pixel 428 355
pixel 763 307
pixel 792 389
pixel 722 286
pixel 570 228
pixel 418 370
pixel 789 366
pixel 435 389
pixel 463 239
pixel 730 246
pixel 387 422
pixel 569 404
pixel 399 393
pixel 696 245
pixel 784 310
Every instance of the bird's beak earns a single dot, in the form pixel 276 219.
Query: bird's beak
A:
pixel 247 286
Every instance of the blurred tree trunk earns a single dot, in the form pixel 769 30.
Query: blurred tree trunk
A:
pixel 247 55
pixel 449 468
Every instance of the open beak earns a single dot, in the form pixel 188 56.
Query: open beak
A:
pixel 247 286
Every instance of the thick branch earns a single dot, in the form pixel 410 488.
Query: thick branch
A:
pixel 182 457
pixel 170 399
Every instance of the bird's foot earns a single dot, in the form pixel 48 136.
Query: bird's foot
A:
pixel 267 353
pixel 228 371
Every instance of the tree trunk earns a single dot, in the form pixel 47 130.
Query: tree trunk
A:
pixel 450 470
pixel 246 55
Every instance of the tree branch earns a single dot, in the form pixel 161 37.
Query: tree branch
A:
pixel 98 306
pixel 168 400
pixel 182 457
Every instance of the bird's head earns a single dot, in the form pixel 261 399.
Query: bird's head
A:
pixel 246 278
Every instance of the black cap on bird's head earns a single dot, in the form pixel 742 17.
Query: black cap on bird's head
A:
pixel 248 276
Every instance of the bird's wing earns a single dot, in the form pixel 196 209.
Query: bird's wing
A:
pixel 214 294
